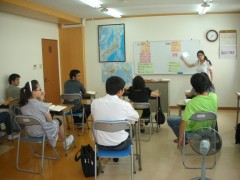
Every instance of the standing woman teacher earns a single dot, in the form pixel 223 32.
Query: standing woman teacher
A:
pixel 202 64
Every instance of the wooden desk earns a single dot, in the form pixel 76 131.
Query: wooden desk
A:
pixel 181 106
pixel 65 110
pixel 238 98
pixel 89 96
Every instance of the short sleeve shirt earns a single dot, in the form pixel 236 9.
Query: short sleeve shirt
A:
pixel 73 86
pixel 139 95
pixel 39 109
pixel 205 67
pixel 198 104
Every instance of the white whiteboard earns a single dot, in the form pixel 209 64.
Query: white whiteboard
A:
pixel 163 57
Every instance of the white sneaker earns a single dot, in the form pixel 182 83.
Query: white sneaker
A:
pixel 2 133
pixel 12 136
pixel 68 141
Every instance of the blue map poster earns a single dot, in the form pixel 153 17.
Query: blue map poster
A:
pixel 111 43
pixel 123 70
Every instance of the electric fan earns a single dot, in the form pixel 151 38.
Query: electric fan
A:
pixel 205 141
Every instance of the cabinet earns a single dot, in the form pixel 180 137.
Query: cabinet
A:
pixel 163 87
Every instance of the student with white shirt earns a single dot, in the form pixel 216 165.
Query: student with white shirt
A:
pixel 111 107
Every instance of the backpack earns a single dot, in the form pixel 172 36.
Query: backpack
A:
pixel 237 135
pixel 159 116
pixel 87 156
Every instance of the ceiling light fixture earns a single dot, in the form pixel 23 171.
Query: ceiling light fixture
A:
pixel 92 3
pixel 111 12
pixel 203 8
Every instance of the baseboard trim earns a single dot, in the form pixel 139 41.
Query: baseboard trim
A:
pixel 219 108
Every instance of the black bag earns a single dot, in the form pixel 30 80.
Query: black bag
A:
pixel 237 135
pixel 159 116
pixel 87 160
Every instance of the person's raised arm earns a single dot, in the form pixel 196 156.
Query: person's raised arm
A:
pixel 186 63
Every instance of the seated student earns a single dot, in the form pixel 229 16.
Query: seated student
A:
pixel 139 93
pixel 13 91
pixel 193 93
pixel 73 85
pixel 5 118
pixel 204 101
pixel 111 107
pixel 31 97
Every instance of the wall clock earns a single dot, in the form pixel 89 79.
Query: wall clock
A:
pixel 212 35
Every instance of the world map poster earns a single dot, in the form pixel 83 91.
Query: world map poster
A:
pixel 123 70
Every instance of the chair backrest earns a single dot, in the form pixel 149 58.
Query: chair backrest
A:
pixel 24 120
pixel 111 126
pixel 141 106
pixel 75 98
pixel 205 116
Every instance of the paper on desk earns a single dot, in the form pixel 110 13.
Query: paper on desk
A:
pixel 49 104
pixel 187 100
pixel 57 108
pixel 90 92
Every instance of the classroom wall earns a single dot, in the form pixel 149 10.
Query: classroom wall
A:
pixel 21 48
pixel 184 27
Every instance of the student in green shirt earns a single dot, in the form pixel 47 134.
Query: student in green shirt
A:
pixel 204 101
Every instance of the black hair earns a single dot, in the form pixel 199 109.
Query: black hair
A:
pixel 13 77
pixel 200 82
pixel 205 57
pixel 26 91
pixel 208 79
pixel 114 84
pixel 73 73
pixel 138 83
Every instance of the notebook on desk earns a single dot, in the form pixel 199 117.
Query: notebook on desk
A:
pixel 91 92
pixel 56 108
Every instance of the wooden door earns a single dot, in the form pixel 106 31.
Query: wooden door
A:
pixel 51 71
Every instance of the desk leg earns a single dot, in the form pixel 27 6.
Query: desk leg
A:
pixel 237 110
pixel 139 148
pixel 64 127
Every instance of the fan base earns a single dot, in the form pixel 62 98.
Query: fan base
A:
pixel 199 178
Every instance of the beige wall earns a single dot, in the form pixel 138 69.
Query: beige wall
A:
pixel 185 27
pixel 21 48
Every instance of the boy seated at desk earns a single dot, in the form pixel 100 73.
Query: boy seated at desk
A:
pixel 192 93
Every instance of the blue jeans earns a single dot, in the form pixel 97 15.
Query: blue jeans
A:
pixel 5 118
pixel 174 123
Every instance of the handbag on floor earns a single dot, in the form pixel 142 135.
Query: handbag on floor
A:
pixel 87 155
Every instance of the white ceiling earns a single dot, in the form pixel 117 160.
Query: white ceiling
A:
pixel 139 7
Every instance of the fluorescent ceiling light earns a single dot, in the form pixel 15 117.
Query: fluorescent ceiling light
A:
pixel 112 12
pixel 92 3
pixel 203 8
